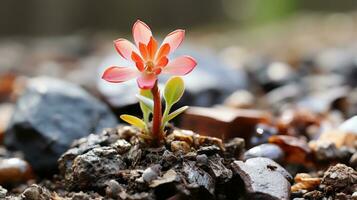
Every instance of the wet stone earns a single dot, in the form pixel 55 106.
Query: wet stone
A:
pixel 271 151
pixel 14 170
pixel 49 116
pixel 254 173
pixel 94 168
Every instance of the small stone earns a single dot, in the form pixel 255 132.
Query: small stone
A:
pixel 218 170
pixel 180 146
pixel 169 159
pixel 35 192
pixel 339 178
pixel 326 151
pixel 113 189
pixel 223 122
pixel 3 192
pixel 254 173
pixel 209 150
pixel 151 173
pixel 168 177
pixel 313 195
pixel 305 182
pixel 121 146
pixel 14 170
pixel 202 159
pixel 271 151
pixel 353 161
pixel 234 147
pixel 197 177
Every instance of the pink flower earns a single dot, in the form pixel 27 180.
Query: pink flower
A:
pixel 150 60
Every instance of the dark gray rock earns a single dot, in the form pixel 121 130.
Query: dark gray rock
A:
pixel 198 178
pixel 49 115
pixel 95 168
pixel 263 179
pixel 271 151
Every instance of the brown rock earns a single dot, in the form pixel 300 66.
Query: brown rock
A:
pixel 340 178
pixel 222 122
pixel 296 150
pixel 180 146
pixel 296 121
pixel 304 181
pixel 14 170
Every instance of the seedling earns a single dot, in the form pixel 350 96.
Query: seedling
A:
pixel 151 61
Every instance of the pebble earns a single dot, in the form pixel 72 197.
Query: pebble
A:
pixel 35 192
pixel 151 173
pixel 271 151
pixel 254 173
pixel 14 170
pixel 202 159
pixel 3 192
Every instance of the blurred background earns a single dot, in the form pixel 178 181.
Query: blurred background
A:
pixel 43 18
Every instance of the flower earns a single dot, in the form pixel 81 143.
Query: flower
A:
pixel 150 60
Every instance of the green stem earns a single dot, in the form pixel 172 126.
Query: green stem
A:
pixel 157 134
pixel 164 117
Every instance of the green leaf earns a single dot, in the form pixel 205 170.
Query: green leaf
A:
pixel 146 101
pixel 133 121
pixel 174 90
pixel 175 113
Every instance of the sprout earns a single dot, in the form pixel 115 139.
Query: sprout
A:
pixel 151 61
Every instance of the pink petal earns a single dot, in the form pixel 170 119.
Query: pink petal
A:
pixel 125 48
pixel 180 66
pixel 174 39
pixel 116 74
pixel 141 33
pixel 147 81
